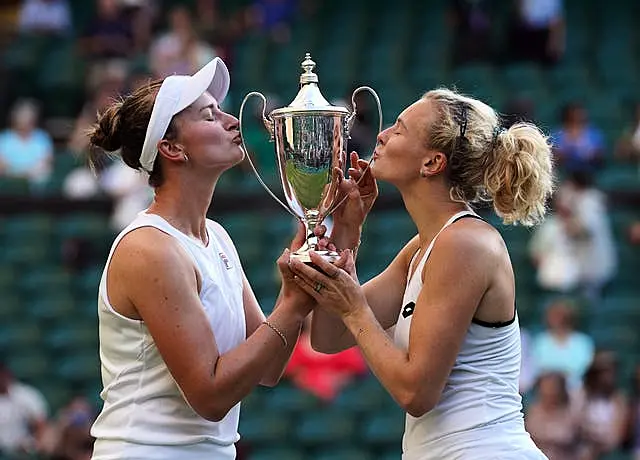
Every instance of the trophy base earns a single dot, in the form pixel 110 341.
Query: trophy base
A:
pixel 327 256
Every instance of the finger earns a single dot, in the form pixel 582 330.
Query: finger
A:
pixel 306 287
pixel 327 268
pixel 310 274
pixel 354 160
pixel 283 265
pixel 355 174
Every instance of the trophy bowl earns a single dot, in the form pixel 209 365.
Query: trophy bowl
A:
pixel 310 138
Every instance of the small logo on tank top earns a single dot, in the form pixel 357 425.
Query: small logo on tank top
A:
pixel 408 309
pixel 225 259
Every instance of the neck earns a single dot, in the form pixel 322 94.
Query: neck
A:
pixel 184 203
pixel 428 210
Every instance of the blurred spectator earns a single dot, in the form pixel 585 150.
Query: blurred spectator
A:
pixel 634 414
pixel 527 363
pixel 218 30
pixel 538 33
pixel 517 109
pixel 109 35
pixel 634 233
pixel 472 30
pixel 25 150
pixel 577 144
pixel 601 409
pixel 589 227
pixel 550 420
pixel 574 247
pixel 68 436
pixel 273 17
pixel 142 14
pixel 110 86
pixel 48 17
pixel 23 415
pixel 128 188
pixel 561 348
pixel 321 374
pixel 628 146
pixel 553 254
pixel 180 50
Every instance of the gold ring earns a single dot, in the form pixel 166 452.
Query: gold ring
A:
pixel 319 286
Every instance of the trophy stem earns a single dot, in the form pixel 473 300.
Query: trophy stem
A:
pixel 310 221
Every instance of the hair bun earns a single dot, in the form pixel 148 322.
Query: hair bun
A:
pixel 106 132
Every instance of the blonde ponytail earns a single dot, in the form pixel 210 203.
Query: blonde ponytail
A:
pixel 518 176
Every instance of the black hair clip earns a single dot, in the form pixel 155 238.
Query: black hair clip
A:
pixel 461 117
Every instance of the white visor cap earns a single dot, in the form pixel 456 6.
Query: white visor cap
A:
pixel 176 93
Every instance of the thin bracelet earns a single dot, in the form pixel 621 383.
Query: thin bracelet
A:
pixel 277 331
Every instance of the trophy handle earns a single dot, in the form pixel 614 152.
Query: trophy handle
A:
pixel 348 124
pixel 268 123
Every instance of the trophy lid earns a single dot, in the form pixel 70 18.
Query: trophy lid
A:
pixel 309 98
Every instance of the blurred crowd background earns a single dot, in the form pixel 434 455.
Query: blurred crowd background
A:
pixel 571 66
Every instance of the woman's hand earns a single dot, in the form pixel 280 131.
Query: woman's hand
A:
pixel 362 191
pixel 291 292
pixel 332 286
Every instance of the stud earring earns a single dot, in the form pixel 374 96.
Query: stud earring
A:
pixel 186 158
pixel 423 174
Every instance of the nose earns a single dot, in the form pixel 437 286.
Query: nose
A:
pixel 231 122
pixel 382 136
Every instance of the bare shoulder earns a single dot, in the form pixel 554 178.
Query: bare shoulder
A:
pixel 149 248
pixel 471 238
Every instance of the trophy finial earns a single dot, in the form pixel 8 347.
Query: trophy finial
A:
pixel 308 65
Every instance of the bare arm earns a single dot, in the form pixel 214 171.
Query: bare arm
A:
pixel 161 283
pixel 416 377
pixel 274 369
pixel 384 296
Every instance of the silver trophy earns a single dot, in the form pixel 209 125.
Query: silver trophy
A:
pixel 310 142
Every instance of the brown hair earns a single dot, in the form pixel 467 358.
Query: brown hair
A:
pixel 511 167
pixel 122 128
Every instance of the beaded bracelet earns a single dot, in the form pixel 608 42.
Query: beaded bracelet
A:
pixel 277 331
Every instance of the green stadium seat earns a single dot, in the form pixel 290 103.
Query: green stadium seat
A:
pixel 345 453
pixel 283 453
pixel 29 364
pixel 362 397
pixel 72 335
pixel 14 186
pixel 288 399
pixel 390 454
pixel 11 306
pixel 44 280
pixel 51 306
pixel 28 226
pixel 80 367
pixel 20 334
pixel 329 426
pixel 263 428
pixel 384 429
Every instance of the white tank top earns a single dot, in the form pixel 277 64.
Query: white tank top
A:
pixel 145 414
pixel 481 391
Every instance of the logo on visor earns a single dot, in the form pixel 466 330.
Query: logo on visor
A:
pixel 225 259
pixel 408 309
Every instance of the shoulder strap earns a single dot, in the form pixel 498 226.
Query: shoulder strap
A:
pixel 456 217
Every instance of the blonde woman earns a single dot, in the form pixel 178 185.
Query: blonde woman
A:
pixel 452 359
